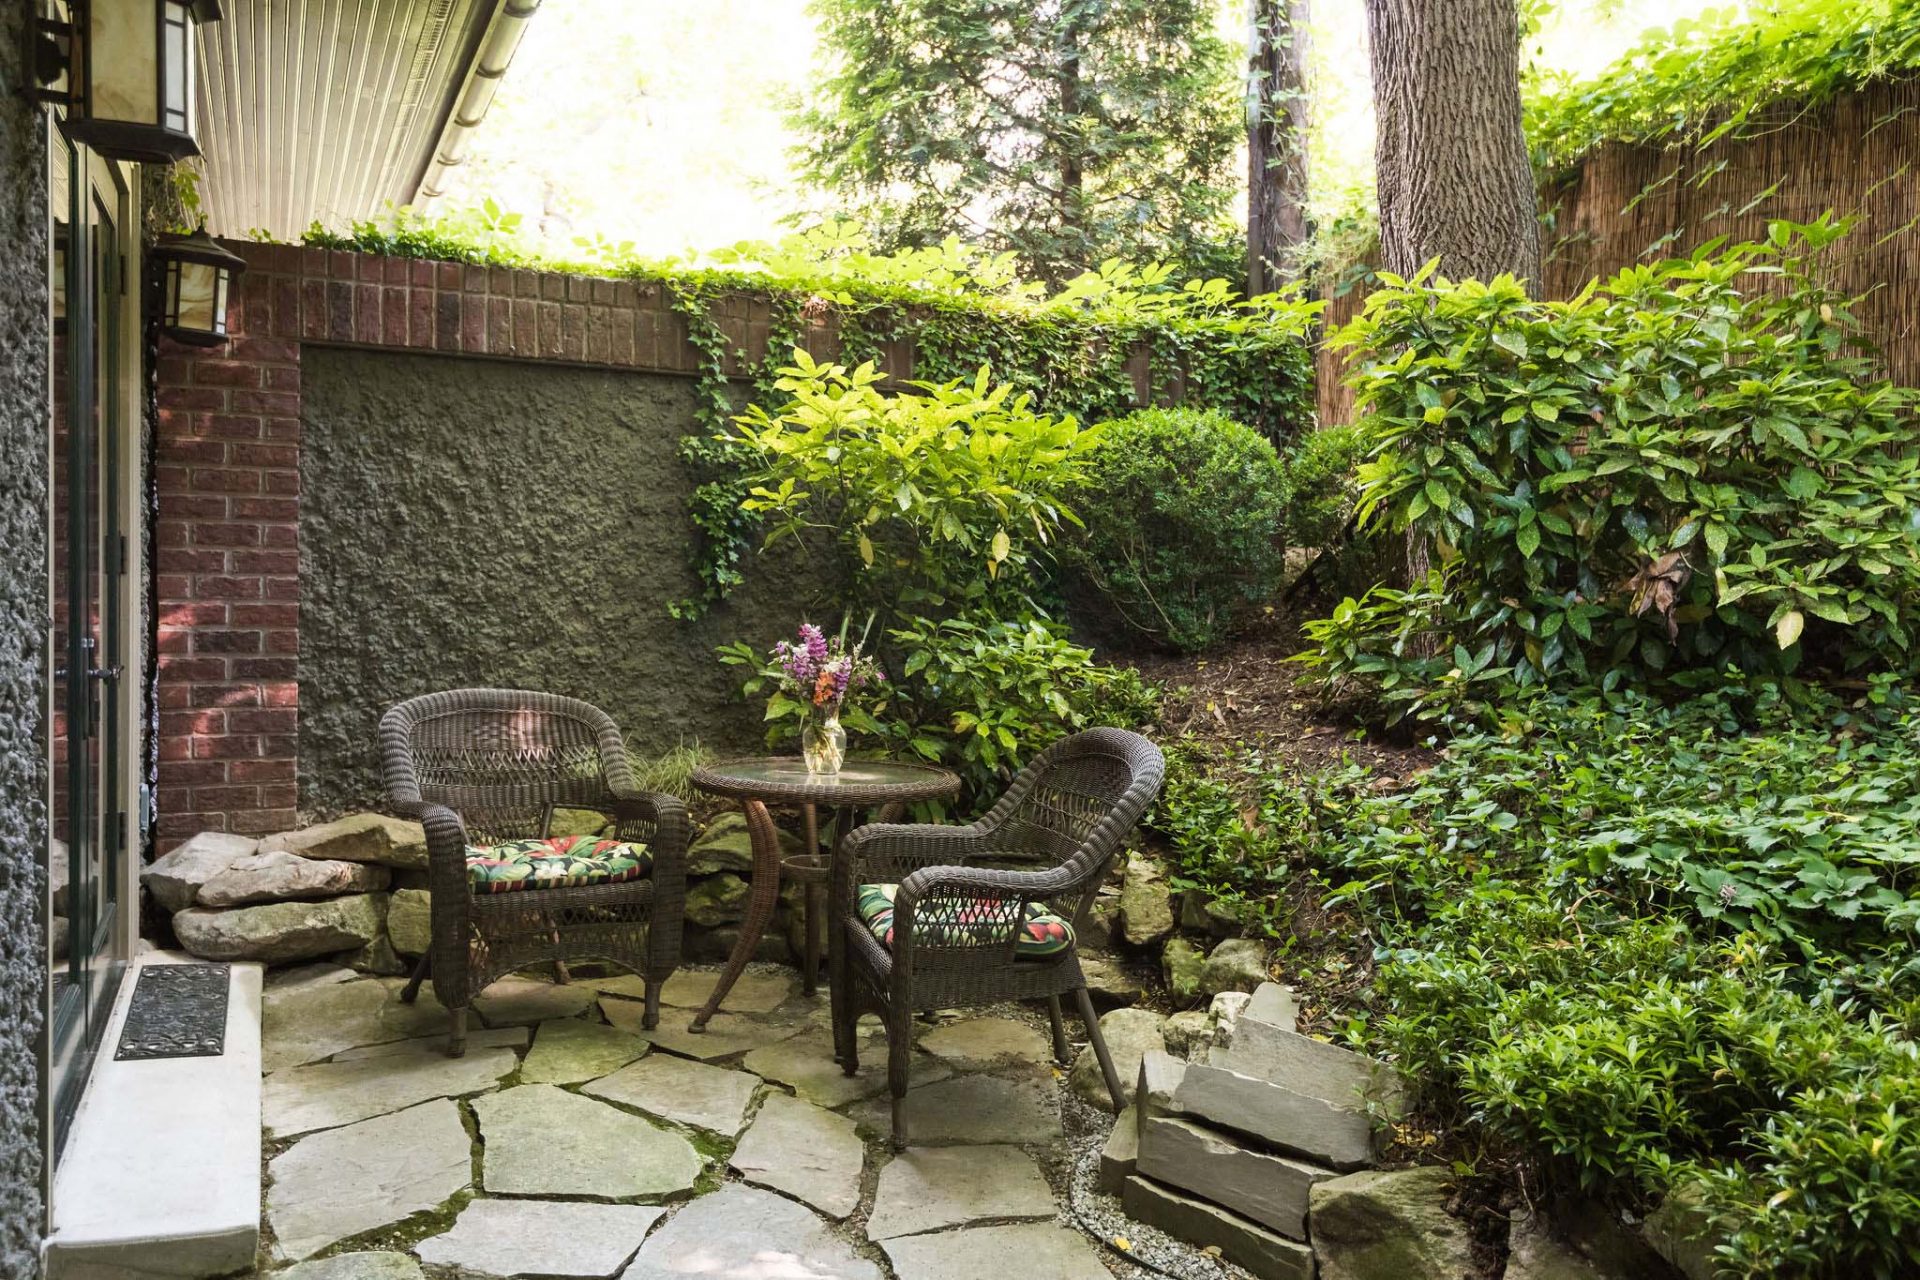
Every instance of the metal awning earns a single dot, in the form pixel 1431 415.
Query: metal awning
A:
pixel 329 110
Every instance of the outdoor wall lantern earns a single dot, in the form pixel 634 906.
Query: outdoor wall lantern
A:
pixel 125 70
pixel 196 280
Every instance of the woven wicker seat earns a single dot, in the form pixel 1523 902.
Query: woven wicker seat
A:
pixel 1049 840
pixel 480 767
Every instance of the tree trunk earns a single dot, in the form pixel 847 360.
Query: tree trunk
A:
pixel 1451 152
pixel 1277 122
pixel 1072 162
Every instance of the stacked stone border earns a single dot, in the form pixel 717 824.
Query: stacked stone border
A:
pixel 226 473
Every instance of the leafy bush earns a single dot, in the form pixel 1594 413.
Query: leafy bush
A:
pixel 943 500
pixel 1320 485
pixel 1664 472
pixel 1182 511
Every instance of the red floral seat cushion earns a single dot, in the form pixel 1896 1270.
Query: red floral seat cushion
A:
pixel 1042 933
pixel 555 862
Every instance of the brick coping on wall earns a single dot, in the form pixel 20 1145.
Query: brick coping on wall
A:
pixel 226 473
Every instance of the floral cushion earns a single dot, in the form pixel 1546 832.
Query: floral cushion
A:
pixel 1042 933
pixel 556 862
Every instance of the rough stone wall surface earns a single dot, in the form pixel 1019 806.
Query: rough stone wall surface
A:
pixel 23 638
pixel 473 522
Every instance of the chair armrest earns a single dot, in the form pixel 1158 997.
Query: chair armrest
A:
pixel 661 822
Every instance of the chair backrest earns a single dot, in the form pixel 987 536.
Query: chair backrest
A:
pixel 1076 802
pixel 501 758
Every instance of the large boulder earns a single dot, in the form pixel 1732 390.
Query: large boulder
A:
pixel 1130 1034
pixel 1238 964
pixel 1682 1231
pixel 1146 904
pixel 280 876
pixel 1377 1225
pixel 360 837
pixel 279 932
pixel 174 878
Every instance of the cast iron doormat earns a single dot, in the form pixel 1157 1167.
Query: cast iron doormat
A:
pixel 177 1011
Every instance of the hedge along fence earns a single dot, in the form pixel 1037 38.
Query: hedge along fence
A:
pixel 1628 202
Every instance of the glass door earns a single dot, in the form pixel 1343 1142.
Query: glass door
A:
pixel 87 856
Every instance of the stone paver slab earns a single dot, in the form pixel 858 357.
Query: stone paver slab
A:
pixel 515 1001
pixel 541 1140
pixel 979 1042
pixel 478 1038
pixel 755 992
pixel 541 1237
pixel 376 1265
pixel 927 1189
pixel 337 1184
pixel 573 1050
pixel 743 1233
pixel 308 1021
pixel 689 1093
pixel 806 1151
pixel 805 1064
pixel 726 1035
pixel 326 1095
pixel 989 1253
pixel 1023 1110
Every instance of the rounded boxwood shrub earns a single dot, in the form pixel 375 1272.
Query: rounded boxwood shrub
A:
pixel 1183 513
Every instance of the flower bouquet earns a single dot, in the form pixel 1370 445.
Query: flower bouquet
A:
pixel 818 675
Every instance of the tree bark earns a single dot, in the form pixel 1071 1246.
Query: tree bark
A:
pixel 1277 121
pixel 1451 151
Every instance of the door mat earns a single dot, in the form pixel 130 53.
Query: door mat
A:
pixel 177 1011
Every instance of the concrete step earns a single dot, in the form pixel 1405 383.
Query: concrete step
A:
pixel 161 1173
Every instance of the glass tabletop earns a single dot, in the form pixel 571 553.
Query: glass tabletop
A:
pixel 789 773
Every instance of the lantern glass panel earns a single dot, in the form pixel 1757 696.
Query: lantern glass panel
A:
pixel 176 68
pixel 196 287
pixel 123 69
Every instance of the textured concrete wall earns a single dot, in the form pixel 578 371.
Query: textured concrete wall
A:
pixel 474 522
pixel 23 639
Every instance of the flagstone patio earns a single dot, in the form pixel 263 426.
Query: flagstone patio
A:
pixel 568 1142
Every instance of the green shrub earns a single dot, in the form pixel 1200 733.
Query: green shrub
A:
pixel 1321 485
pixel 1665 472
pixel 1183 511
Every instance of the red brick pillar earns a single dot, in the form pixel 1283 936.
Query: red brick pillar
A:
pixel 227 584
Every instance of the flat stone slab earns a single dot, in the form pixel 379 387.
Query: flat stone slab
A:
pixel 326 1095
pixel 805 1064
pixel 478 1038
pixel 541 1237
pixel 1266 1254
pixel 755 992
pixel 340 1183
pixel 726 1035
pixel 271 877
pixel 1293 1122
pixel 175 877
pixel 985 1042
pixel 313 1020
pixel 806 1151
pixel 1271 1190
pixel 982 1109
pixel 359 837
pixel 978 1253
pixel 377 1265
pixel 927 1189
pixel 689 1093
pixel 1120 1157
pixel 743 1233
pixel 541 1140
pixel 276 932
pixel 573 1050
pixel 1253 1046
pixel 515 1001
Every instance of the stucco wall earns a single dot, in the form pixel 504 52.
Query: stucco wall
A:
pixel 472 522
pixel 23 633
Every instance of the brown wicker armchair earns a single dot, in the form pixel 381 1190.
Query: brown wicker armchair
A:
pixel 486 766
pixel 961 920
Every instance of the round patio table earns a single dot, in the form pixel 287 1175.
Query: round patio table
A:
pixel 783 780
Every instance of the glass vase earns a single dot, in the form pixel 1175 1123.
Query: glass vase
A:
pixel 824 745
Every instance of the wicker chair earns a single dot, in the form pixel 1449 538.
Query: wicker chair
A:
pixel 483 766
pixel 960 909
